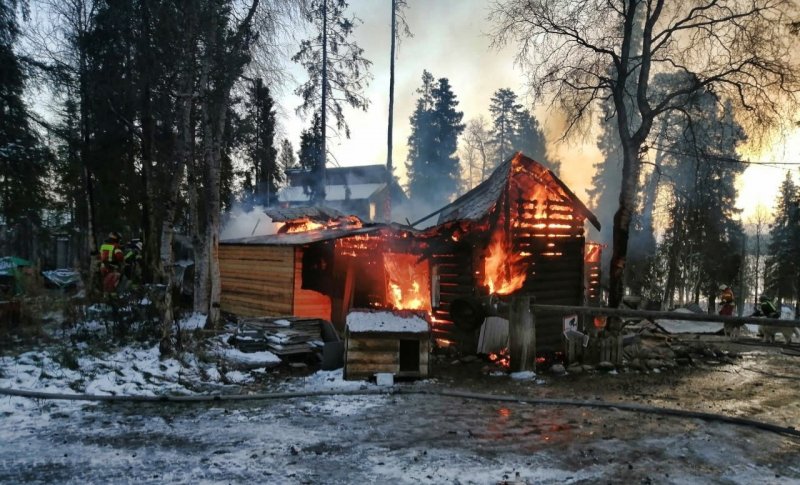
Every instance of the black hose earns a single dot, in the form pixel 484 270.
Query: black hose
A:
pixel 638 408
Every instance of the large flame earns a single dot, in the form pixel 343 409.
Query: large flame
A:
pixel 504 270
pixel 303 227
pixel 407 281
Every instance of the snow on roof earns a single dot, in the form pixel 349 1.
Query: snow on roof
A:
pixel 386 321
pixel 332 192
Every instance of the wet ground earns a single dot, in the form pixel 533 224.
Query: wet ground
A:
pixel 434 439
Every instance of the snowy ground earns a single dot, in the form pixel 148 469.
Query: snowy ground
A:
pixel 391 438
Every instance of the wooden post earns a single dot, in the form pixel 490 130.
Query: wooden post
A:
pixel 521 337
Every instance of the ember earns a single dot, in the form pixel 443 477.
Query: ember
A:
pixel 501 359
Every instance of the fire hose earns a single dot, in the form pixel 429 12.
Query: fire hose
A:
pixel 524 400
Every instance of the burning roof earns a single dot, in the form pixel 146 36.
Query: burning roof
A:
pixel 479 202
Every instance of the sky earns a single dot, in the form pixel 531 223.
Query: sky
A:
pixel 451 39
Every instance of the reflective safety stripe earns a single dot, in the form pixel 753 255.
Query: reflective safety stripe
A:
pixel 107 252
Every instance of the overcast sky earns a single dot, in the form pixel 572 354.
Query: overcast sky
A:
pixel 451 40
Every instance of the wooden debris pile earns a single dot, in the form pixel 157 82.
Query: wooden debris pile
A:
pixel 283 336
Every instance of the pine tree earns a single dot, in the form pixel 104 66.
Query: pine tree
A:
pixel 23 159
pixel 337 70
pixel 529 139
pixel 287 158
pixel 433 167
pixel 259 137
pixel 310 156
pixel 783 251
pixel 505 116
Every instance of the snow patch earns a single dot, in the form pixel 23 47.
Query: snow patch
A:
pixel 192 322
pixel 685 326
pixel 384 321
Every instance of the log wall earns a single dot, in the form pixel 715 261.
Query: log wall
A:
pixel 369 353
pixel 256 280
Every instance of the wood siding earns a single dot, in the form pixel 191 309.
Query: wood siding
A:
pixel 256 280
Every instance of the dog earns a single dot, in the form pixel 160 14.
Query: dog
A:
pixel 768 332
pixel 733 330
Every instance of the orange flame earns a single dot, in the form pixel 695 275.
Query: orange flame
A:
pixel 504 270
pixel 303 227
pixel 407 282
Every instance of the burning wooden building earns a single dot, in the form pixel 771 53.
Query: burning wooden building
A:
pixel 321 263
pixel 521 230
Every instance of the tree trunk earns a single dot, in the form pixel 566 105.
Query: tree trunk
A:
pixel 200 291
pixel 387 204
pixel 322 183
pixel 622 220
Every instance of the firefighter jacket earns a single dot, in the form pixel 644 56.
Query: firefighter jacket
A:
pixel 111 254
pixel 768 309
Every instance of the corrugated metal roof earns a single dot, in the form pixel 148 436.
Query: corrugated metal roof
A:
pixel 301 238
pixel 479 202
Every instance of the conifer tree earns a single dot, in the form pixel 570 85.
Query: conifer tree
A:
pixel 338 73
pixel 505 117
pixel 433 166
pixel 783 251
pixel 23 159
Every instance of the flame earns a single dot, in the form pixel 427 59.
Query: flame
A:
pixel 304 226
pixel 408 282
pixel 501 359
pixel 593 252
pixel 504 270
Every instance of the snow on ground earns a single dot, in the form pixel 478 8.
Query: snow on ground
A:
pixel 192 322
pixel 248 360
pixel 685 326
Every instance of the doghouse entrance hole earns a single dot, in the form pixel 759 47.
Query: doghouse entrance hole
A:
pixel 409 355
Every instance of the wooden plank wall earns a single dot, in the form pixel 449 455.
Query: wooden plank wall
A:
pixel 367 355
pixel 256 280
pixel 308 303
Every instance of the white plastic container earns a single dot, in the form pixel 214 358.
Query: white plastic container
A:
pixel 384 379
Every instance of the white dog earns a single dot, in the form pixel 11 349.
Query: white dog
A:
pixel 768 332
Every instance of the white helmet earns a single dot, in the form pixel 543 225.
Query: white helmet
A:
pixel 723 287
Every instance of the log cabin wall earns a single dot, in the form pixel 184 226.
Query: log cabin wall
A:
pixel 554 246
pixel 452 263
pixel 257 280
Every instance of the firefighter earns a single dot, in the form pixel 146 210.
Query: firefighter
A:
pixel 111 260
pixel 766 308
pixel 133 262
pixel 726 300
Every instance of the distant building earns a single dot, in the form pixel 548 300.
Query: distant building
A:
pixel 359 191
